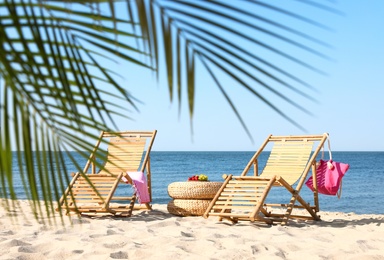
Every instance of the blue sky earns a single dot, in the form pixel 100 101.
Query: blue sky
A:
pixel 349 99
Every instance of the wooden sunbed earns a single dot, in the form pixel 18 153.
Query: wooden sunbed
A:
pixel 246 197
pixel 94 193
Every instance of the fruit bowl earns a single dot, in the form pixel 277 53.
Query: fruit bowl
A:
pixel 200 177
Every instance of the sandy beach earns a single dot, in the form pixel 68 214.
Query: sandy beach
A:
pixel 157 234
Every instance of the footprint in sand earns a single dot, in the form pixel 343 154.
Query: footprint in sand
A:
pixel 216 243
pixel 184 234
pixel 365 245
pixel 26 249
pixel 163 224
pixel 119 255
pixel 114 245
pixel 96 235
pixel 217 235
pixel 185 249
pixel 111 232
pixel 60 231
pixel 280 253
pixel 256 249
pixel 6 233
pixel 15 242
pixel 77 221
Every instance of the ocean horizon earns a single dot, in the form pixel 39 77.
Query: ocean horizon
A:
pixel 361 185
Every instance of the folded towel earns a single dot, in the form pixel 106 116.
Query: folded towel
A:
pixel 140 185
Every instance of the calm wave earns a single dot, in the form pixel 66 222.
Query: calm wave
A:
pixel 362 190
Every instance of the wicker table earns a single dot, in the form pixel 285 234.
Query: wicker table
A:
pixel 191 198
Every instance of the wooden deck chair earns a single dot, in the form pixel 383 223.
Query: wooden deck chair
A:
pixel 247 197
pixel 94 193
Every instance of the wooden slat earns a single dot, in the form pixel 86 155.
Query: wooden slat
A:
pixel 91 197
pixel 125 154
pixel 288 160
pixel 245 185
pixel 230 215
pixel 98 184
pixel 240 196
pixel 220 203
pixel 129 134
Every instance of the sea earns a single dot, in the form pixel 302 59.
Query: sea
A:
pixel 362 186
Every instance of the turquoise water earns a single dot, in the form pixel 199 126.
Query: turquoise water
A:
pixel 362 188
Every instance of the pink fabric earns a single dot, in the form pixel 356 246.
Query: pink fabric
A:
pixel 329 175
pixel 140 185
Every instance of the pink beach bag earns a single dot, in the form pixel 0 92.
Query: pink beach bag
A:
pixel 329 175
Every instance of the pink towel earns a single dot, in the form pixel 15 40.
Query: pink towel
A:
pixel 140 185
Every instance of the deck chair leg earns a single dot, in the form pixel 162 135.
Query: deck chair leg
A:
pixel 148 206
pixel 231 219
pixel 308 208
pixel 290 206
pixel 265 212
pixel 131 205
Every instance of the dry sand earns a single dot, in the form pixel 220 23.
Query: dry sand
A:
pixel 157 234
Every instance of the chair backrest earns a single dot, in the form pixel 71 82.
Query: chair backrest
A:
pixel 127 151
pixel 290 156
pixel 288 159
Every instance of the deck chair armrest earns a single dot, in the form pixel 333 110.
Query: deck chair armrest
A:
pixel 73 174
pixel 125 178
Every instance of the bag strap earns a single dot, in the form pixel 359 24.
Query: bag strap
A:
pixel 339 191
pixel 322 153
pixel 329 147
pixel 329 151
pixel 330 166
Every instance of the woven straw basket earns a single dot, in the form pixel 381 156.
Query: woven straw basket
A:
pixel 184 207
pixel 193 190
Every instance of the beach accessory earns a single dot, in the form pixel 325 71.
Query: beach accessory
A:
pixel 140 185
pixel 186 207
pixel 191 198
pixel 201 177
pixel 329 175
pixel 193 189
